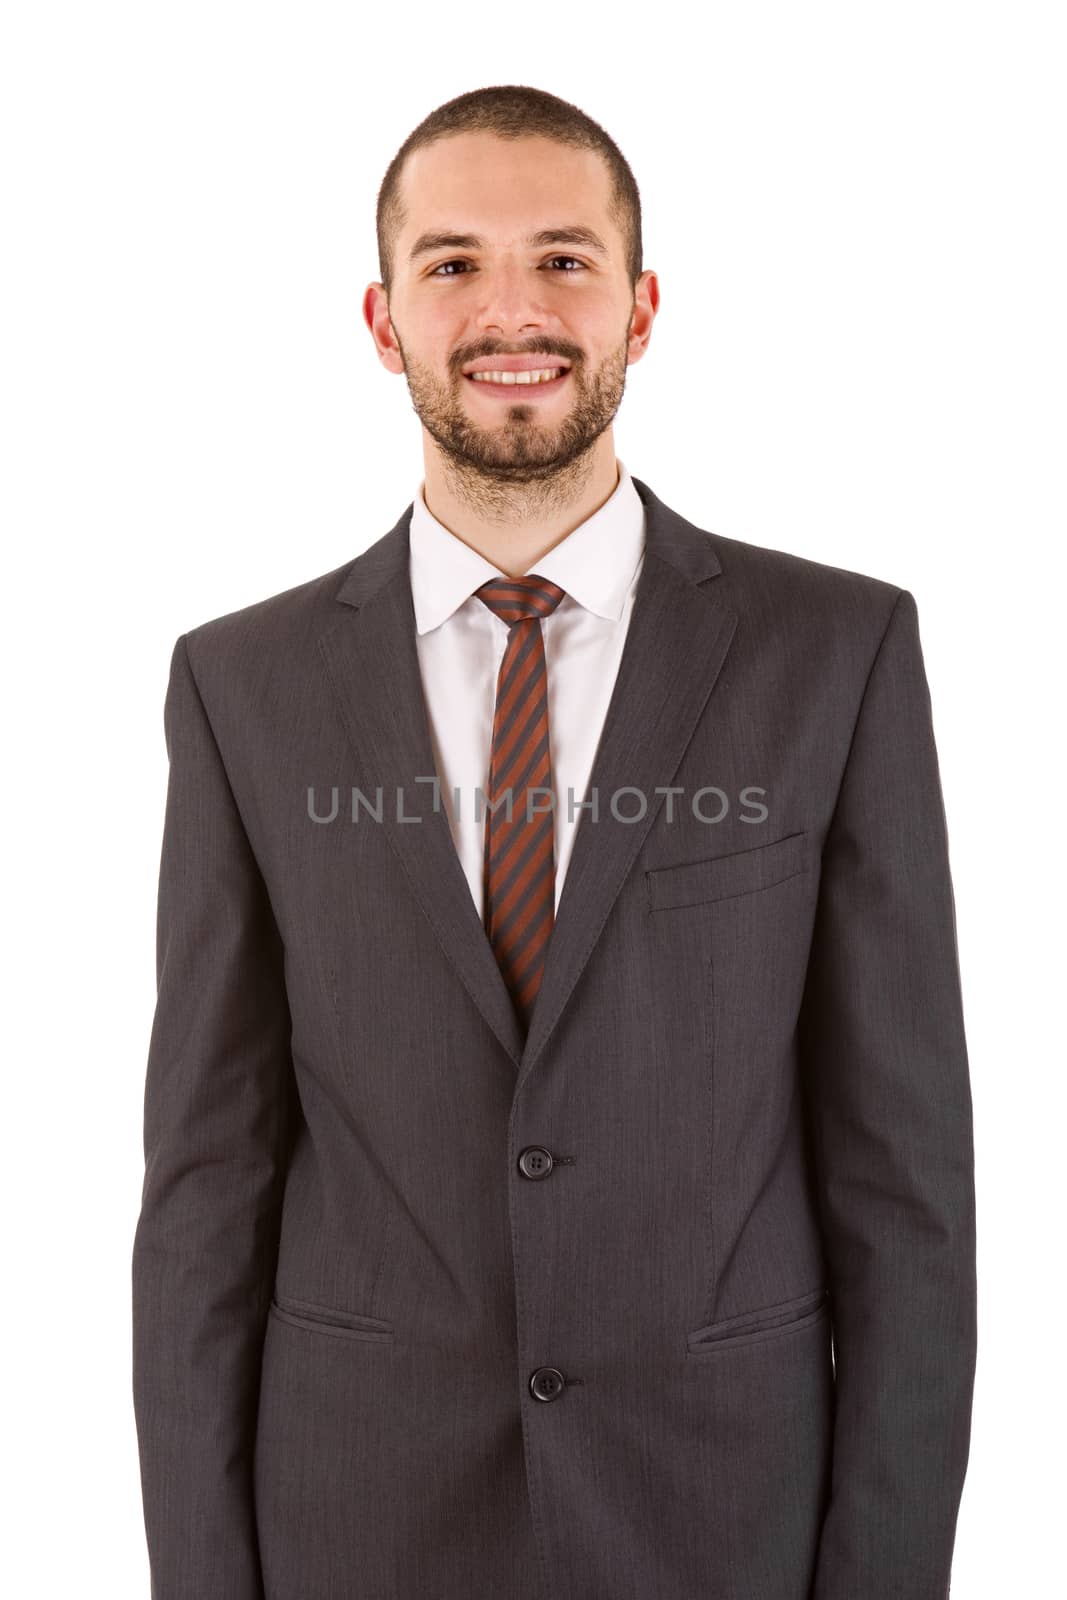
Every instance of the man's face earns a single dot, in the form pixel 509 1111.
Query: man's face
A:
pixel 566 303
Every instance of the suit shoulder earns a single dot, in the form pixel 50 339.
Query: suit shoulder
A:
pixel 762 563
pixel 757 578
pixel 281 627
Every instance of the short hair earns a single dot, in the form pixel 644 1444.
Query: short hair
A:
pixel 512 111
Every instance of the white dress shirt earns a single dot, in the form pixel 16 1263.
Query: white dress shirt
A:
pixel 461 645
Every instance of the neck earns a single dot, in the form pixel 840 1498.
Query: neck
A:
pixel 514 524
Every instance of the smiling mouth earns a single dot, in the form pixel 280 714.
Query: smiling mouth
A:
pixel 520 383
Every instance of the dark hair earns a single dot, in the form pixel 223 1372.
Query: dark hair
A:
pixel 512 111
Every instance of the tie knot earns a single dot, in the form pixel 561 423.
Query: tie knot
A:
pixel 520 599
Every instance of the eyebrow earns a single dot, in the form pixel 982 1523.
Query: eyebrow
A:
pixel 585 238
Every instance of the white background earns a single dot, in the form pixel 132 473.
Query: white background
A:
pixel 856 213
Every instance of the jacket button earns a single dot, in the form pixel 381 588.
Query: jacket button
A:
pixel 535 1161
pixel 547 1383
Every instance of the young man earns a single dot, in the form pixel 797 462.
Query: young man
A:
pixel 559 1164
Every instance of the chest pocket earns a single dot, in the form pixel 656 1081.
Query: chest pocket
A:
pixel 722 877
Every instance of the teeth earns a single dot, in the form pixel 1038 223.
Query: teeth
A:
pixel 542 375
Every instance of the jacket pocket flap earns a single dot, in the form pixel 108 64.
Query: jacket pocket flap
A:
pixel 784 1317
pixel 330 1319
pixel 721 877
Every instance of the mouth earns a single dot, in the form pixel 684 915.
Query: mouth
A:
pixel 520 386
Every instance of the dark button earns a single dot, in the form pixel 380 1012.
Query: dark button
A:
pixel 535 1161
pixel 547 1383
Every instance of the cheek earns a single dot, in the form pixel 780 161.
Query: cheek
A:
pixel 431 332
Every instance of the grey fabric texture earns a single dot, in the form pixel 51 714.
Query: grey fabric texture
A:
pixel 749 1253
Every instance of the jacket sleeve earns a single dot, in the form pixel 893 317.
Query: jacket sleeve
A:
pixel 887 1092
pixel 215 1122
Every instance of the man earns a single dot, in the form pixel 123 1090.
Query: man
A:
pixel 567 1199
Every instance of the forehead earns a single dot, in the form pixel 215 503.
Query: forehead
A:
pixel 482 183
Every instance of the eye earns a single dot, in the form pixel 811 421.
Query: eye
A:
pixel 439 272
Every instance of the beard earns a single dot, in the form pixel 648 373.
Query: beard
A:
pixel 522 449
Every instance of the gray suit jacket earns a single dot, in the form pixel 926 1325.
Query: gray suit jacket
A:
pixel 673 1299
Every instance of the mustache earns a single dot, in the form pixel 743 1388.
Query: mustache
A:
pixel 542 348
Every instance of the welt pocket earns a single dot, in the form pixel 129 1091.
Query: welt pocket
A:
pixel 330 1320
pixel 754 1327
pixel 723 877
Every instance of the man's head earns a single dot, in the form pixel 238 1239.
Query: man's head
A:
pixel 509 224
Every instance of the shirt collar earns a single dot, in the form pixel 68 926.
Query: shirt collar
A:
pixel 594 564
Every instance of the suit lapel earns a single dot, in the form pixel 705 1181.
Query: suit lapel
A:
pixel 373 665
pixel 675 646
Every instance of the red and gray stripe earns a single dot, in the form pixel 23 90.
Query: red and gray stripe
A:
pixel 520 876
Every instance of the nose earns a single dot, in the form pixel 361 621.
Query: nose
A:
pixel 507 308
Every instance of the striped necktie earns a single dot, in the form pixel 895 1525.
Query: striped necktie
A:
pixel 520 875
